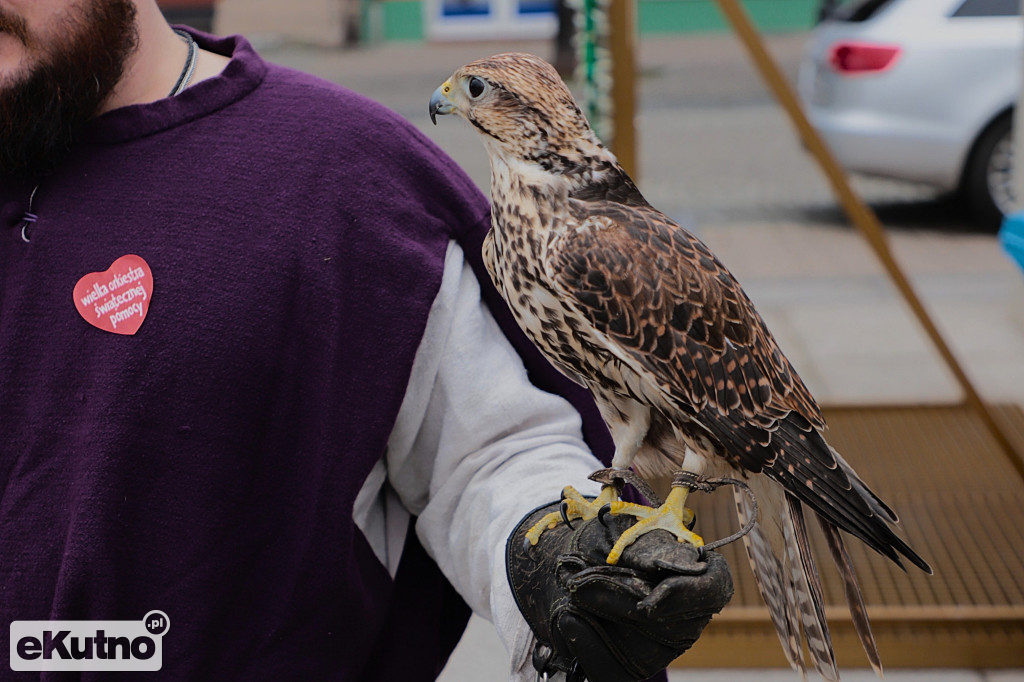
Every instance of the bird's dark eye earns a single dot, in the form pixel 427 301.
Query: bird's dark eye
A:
pixel 476 87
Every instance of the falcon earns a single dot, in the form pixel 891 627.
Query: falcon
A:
pixel 686 374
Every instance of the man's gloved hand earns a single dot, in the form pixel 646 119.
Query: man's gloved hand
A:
pixel 612 623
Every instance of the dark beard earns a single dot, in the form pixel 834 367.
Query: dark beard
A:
pixel 42 113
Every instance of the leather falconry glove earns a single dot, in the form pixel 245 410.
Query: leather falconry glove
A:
pixel 608 623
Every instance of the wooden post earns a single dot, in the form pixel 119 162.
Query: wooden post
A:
pixel 622 27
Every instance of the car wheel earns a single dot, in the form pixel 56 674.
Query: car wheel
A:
pixel 988 175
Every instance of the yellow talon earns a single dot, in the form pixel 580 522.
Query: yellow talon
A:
pixel 575 507
pixel 671 516
pixel 548 522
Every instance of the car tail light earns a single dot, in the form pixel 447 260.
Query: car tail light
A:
pixel 852 58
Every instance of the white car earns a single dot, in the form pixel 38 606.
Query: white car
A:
pixel 920 90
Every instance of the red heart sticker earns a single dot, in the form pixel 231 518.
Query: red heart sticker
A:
pixel 116 300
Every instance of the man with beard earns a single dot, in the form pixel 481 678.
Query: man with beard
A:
pixel 64 63
pixel 251 371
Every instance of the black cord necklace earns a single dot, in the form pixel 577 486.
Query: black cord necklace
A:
pixel 187 71
pixel 190 63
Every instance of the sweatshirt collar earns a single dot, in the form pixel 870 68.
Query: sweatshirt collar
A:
pixel 241 76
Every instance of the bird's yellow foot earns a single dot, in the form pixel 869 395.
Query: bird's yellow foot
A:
pixel 574 506
pixel 671 516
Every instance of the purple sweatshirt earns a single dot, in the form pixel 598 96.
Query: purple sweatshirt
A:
pixel 206 465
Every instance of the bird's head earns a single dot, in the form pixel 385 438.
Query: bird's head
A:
pixel 524 112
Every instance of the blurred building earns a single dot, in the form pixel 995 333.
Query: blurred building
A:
pixel 196 13
pixel 333 22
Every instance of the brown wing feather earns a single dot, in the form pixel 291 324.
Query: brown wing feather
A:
pixel 663 299
pixel 658 291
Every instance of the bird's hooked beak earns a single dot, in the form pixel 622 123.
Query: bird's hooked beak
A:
pixel 439 102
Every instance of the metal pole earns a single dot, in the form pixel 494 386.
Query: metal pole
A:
pixel 1017 176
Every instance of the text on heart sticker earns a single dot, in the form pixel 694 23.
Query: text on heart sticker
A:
pixel 116 300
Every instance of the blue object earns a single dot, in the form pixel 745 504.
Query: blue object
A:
pixel 1011 235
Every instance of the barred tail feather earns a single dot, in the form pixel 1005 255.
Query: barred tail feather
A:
pixel 770 577
pixel 810 600
pixel 858 611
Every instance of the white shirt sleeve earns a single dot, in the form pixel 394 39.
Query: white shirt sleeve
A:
pixel 476 447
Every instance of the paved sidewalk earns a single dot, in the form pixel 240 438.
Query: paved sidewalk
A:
pixel 481 658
